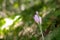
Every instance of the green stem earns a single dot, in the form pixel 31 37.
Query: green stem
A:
pixel 40 27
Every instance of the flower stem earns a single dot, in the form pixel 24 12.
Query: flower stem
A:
pixel 40 27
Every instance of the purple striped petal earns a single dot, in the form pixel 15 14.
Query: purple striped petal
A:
pixel 37 19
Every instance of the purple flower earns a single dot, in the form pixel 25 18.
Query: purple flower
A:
pixel 37 18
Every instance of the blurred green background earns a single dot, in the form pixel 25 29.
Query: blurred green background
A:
pixel 17 22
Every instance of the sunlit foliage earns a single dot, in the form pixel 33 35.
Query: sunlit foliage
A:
pixel 17 19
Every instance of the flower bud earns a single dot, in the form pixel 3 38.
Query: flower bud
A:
pixel 37 18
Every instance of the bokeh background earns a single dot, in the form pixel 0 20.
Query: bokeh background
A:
pixel 17 22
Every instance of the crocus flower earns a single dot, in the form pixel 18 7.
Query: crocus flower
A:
pixel 37 18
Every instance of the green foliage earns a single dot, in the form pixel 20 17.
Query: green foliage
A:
pixel 54 35
pixel 2 22
pixel 18 28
